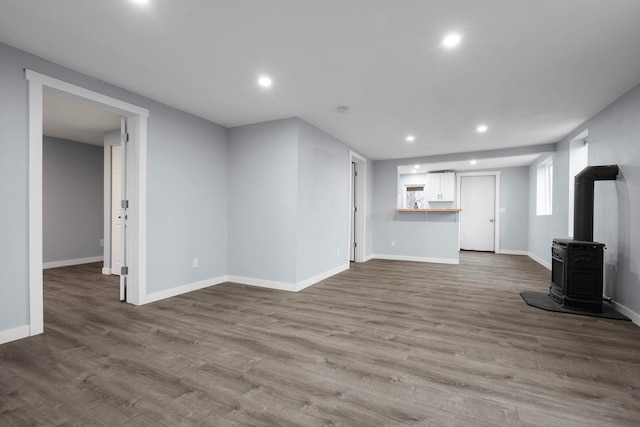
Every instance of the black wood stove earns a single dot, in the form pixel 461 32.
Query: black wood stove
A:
pixel 577 265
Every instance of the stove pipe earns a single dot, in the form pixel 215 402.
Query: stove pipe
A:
pixel 583 205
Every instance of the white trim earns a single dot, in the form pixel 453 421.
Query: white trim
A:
pixel 496 215
pixel 320 277
pixel 14 334
pixel 417 259
pixel 635 317
pixel 106 270
pixel 271 284
pixel 36 304
pixel 361 167
pixel 38 83
pixel 368 258
pixel 68 262
pixel 512 252
pixel 190 287
pixel 285 286
pixel 539 261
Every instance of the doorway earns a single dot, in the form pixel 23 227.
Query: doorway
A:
pixel 479 220
pixel 136 119
pixel 357 201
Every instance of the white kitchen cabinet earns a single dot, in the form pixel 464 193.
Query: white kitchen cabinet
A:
pixel 441 187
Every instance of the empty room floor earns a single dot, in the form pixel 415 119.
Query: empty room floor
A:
pixel 384 343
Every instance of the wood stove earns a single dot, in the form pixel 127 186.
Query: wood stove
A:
pixel 577 265
pixel 577 275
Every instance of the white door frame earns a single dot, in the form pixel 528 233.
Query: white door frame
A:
pixel 496 224
pixel 137 188
pixel 361 200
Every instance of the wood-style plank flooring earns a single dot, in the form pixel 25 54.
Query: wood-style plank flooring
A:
pixel 387 343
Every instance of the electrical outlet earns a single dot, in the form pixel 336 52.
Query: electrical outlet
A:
pixel 196 263
pixel 393 243
pixel 101 242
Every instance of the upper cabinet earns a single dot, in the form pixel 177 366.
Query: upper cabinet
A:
pixel 441 187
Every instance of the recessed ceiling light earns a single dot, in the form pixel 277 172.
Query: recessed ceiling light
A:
pixel 473 162
pixel 417 166
pixel 140 1
pixel 482 128
pixel 451 40
pixel 265 81
pixel 411 138
pixel 413 171
pixel 343 109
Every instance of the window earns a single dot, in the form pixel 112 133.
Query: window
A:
pixel 415 197
pixel 544 190
pixel 578 160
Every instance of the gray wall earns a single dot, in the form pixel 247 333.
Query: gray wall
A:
pixel 288 201
pixel 72 200
pixel 187 187
pixel 263 197
pixel 514 198
pixel 323 202
pixel 614 138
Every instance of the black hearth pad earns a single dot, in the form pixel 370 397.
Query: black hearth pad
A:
pixel 544 301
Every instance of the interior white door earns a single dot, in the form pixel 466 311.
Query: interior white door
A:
pixel 477 219
pixel 116 214
pixel 123 207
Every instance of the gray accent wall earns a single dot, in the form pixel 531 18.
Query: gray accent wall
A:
pixel 187 187
pixel 72 200
pixel 614 138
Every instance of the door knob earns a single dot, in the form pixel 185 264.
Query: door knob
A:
pixel 490 220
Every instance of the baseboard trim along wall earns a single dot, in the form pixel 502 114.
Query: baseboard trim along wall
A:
pixel 14 334
pixel 512 252
pixel 106 271
pixel 68 262
pixel 189 287
pixel 417 259
pixel 285 286
pixel 539 261
pixel 635 317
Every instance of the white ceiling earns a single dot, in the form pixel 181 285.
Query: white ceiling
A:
pixel 465 165
pixel 532 70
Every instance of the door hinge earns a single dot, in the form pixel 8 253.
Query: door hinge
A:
pixel 355 173
pixel 125 137
pixel 124 204
pixel 355 209
pixel 355 244
pixel 124 271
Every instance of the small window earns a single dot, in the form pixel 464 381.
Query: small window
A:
pixel 415 197
pixel 544 188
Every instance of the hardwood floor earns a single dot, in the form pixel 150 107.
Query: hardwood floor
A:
pixel 385 343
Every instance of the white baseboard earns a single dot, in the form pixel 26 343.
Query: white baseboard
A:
pixel 68 262
pixel 320 277
pixel 106 270
pixel 271 284
pixel 512 252
pixel 14 334
pixel 417 259
pixel 635 317
pixel 285 286
pixel 368 258
pixel 539 261
pixel 190 287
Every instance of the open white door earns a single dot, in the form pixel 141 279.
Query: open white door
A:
pixel 116 213
pixel 477 220
pixel 123 204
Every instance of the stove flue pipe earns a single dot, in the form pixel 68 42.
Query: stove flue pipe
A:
pixel 583 192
